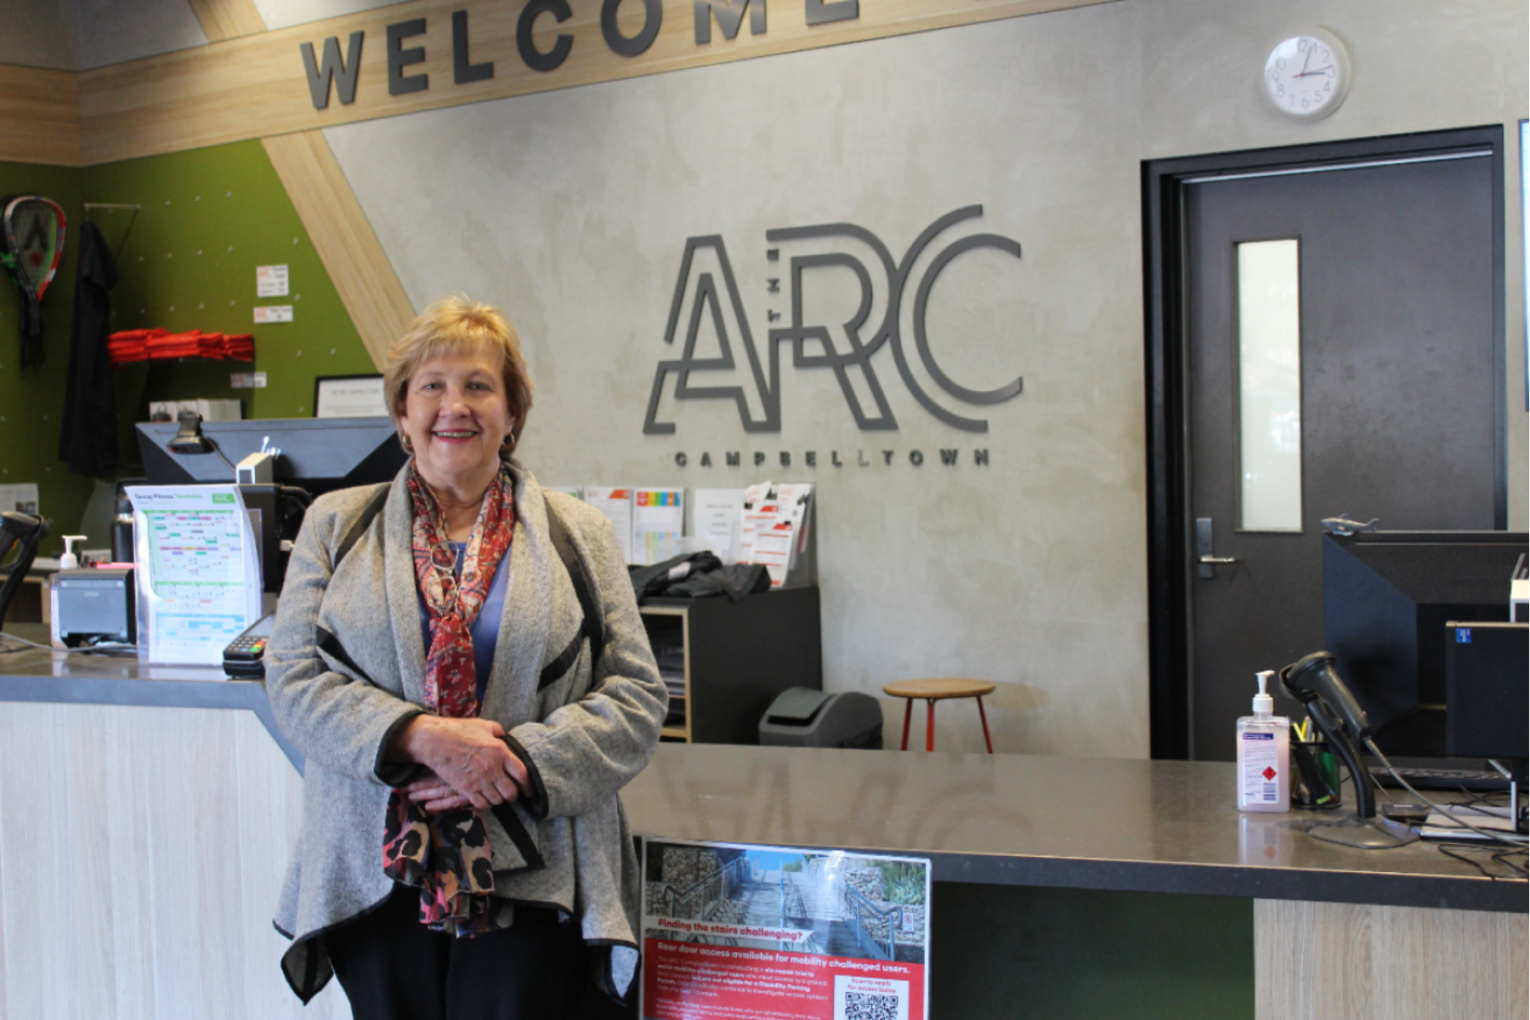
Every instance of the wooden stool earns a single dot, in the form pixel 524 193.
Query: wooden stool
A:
pixel 935 690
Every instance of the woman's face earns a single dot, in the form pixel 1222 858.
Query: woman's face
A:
pixel 456 417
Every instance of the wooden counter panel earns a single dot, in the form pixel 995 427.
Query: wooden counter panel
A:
pixel 141 853
pixel 1346 961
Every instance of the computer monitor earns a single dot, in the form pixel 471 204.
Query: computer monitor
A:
pixel 1487 693
pixel 317 454
pixel 1387 597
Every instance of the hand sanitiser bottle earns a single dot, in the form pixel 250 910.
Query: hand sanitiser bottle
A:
pixel 1264 755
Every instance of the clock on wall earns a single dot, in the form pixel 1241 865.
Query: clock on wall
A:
pixel 1306 75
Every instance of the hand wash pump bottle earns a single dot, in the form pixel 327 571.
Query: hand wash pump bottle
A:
pixel 1264 755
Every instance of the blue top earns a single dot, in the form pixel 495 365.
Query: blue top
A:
pixel 485 629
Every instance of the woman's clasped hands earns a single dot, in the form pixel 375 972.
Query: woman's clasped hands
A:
pixel 470 764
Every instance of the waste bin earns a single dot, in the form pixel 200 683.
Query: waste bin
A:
pixel 802 717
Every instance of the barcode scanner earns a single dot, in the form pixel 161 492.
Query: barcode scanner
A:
pixel 26 532
pixel 1315 682
pixel 1312 680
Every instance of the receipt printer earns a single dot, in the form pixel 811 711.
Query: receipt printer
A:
pixel 802 717
pixel 91 606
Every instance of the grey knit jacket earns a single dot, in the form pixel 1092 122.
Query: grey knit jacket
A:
pixel 345 669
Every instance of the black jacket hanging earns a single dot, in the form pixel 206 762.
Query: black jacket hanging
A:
pixel 88 440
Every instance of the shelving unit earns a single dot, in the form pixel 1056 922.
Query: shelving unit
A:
pixel 725 662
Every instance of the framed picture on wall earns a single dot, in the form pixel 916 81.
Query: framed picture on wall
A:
pixel 348 396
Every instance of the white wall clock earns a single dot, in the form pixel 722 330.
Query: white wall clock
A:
pixel 1306 75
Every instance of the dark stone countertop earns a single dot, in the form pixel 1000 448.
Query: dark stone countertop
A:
pixel 1093 823
pixel 1090 823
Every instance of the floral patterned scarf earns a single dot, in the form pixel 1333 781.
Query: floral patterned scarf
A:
pixel 447 855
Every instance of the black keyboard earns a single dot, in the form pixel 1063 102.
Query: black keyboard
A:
pixel 1440 779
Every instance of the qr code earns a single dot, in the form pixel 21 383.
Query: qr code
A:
pixel 866 1006
pixel 868 998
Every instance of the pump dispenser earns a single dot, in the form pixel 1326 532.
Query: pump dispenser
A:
pixel 1264 754
pixel 69 560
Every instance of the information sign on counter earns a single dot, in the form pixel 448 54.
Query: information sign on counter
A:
pixel 199 582
pixel 735 932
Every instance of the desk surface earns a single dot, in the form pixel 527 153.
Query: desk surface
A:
pixel 1149 826
pixel 1005 819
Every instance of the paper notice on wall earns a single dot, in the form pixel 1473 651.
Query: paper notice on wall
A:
pixel 20 498
pixel 273 313
pixel 617 505
pixel 571 490
pixel 848 941
pixel 717 521
pixel 247 380
pixel 270 281
pixel 199 582
pixel 658 521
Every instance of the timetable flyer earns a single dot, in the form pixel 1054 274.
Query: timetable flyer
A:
pixel 199 581
pixel 734 932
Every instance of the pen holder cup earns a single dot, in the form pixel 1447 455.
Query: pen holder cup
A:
pixel 1315 780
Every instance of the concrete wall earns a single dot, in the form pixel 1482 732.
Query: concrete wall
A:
pixel 116 31
pixel 285 13
pixel 38 33
pixel 77 35
pixel 571 209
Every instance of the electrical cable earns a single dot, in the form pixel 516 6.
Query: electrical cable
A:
pixel 1497 856
pixel 104 648
pixel 1507 839
pixel 216 449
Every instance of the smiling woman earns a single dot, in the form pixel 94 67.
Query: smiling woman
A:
pixel 457 387
pixel 487 778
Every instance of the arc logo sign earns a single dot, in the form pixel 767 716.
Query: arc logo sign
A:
pixel 714 299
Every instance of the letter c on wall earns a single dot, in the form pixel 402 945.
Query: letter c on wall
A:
pixel 921 304
pixel 533 57
pixel 653 17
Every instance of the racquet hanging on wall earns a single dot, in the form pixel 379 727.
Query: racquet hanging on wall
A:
pixel 31 244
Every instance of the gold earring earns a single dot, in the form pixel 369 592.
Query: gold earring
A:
pixel 407 444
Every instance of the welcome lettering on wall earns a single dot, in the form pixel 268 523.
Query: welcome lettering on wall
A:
pixel 334 73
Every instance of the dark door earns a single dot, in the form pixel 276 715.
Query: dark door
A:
pixel 1383 403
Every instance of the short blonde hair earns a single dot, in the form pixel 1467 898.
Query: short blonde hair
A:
pixel 455 325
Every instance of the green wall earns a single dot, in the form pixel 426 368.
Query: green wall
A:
pixel 32 401
pixel 207 218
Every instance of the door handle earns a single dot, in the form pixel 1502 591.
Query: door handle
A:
pixel 1206 559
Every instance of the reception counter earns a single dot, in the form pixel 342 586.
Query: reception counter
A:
pixel 145 815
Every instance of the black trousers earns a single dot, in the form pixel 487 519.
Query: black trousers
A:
pixel 394 968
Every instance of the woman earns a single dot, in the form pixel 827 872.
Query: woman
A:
pixel 463 851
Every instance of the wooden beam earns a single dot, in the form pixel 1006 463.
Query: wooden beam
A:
pixel 256 85
pixel 343 237
pixel 39 116
pixel 228 19
pixel 339 229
